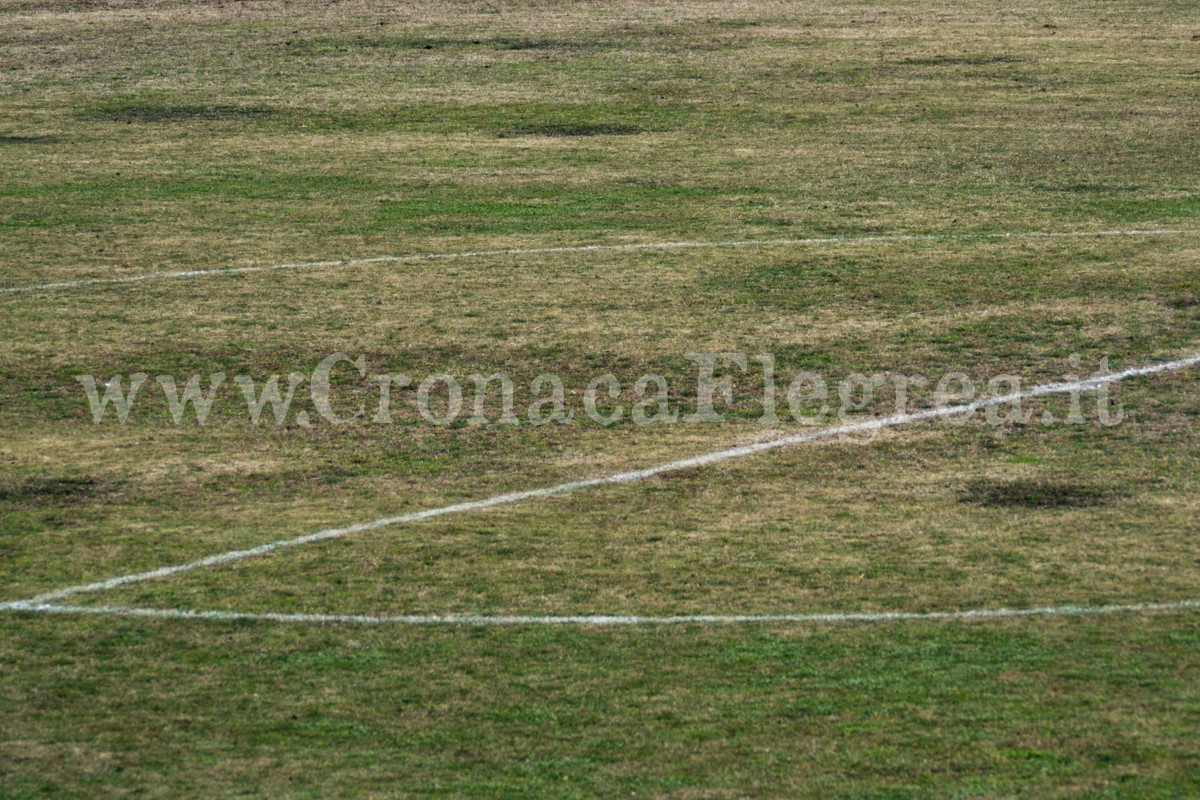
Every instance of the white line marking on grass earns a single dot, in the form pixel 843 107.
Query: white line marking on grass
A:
pixel 604 619
pixel 586 248
pixel 620 478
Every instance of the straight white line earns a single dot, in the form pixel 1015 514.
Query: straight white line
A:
pixel 620 478
pixel 587 248
pixel 604 619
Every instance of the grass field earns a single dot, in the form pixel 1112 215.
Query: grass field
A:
pixel 140 138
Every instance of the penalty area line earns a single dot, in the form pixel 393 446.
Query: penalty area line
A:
pixel 586 248
pixel 1094 383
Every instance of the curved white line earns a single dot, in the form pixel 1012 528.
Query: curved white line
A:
pixel 587 248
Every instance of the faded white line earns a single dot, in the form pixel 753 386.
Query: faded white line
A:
pixel 587 248
pixel 603 619
pixel 620 478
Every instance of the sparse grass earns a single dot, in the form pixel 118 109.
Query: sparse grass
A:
pixel 141 137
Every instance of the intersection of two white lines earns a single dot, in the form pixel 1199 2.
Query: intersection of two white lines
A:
pixel 43 603
pixel 46 602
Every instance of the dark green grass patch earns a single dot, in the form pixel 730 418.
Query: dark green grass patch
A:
pixel 148 112
pixel 502 120
pixel 533 209
pixel 12 139
pixel 963 61
pixel 1174 210
pixel 553 128
pixel 47 489
pixel 1036 494
pixel 393 42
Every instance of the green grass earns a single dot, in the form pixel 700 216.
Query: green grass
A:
pixel 139 138
pixel 1102 708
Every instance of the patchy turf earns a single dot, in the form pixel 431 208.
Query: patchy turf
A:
pixel 1036 494
pixel 146 137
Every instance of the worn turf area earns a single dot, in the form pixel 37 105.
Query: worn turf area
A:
pixel 151 137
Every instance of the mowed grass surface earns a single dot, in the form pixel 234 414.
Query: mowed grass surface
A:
pixel 1102 707
pixel 138 138
pixel 928 520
